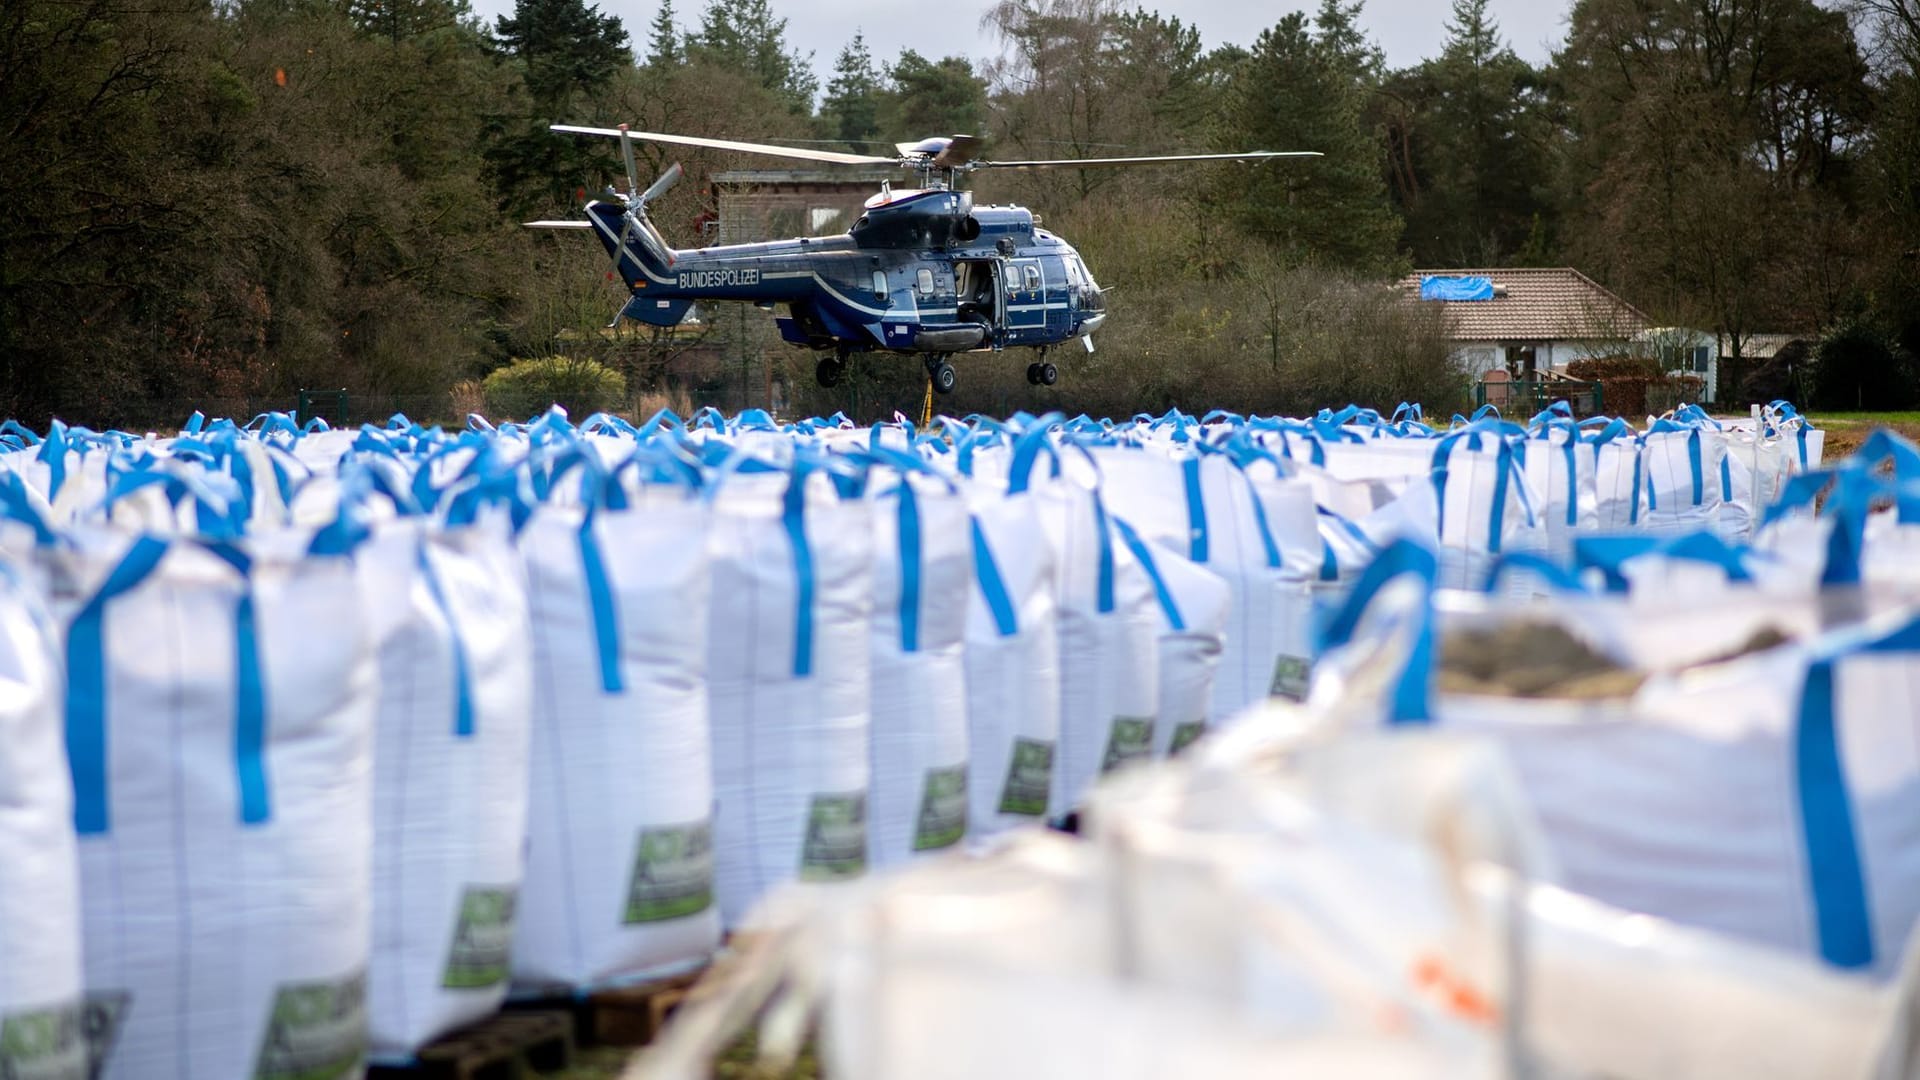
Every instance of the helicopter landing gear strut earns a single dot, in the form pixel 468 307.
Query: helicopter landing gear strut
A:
pixel 830 370
pixel 940 373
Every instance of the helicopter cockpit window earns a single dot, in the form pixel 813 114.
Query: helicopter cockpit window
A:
pixel 1075 278
pixel 1031 277
pixel 879 283
pixel 925 280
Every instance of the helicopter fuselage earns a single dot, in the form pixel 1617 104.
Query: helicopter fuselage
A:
pixel 921 272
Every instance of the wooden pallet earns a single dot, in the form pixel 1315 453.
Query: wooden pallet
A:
pixel 506 1046
pixel 623 1015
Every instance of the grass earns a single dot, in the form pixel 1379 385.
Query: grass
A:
pixel 1870 418
pixel 1847 430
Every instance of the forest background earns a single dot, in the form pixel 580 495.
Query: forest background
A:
pixel 230 202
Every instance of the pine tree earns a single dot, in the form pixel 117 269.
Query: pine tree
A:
pixel 663 40
pixel 398 20
pixel 568 53
pixel 1347 47
pixel 1297 92
pixel 851 110
pixel 567 47
pixel 933 97
pixel 743 35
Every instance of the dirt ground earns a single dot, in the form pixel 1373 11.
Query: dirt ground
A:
pixel 606 1063
pixel 1846 431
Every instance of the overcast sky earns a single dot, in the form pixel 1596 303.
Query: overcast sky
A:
pixel 1409 30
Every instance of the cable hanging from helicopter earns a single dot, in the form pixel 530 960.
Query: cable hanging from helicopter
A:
pixel 922 272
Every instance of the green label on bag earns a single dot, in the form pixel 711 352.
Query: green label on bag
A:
pixel 1184 735
pixel 672 873
pixel 101 1015
pixel 483 939
pixel 1290 676
pixel 317 1031
pixel 1131 737
pixel 943 809
pixel 1029 779
pixel 836 842
pixel 43 1044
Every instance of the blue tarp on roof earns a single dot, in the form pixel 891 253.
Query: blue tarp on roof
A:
pixel 1435 287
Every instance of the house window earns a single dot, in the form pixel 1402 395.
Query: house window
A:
pixel 926 281
pixel 1702 359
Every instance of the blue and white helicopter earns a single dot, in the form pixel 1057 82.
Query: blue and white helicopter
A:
pixel 923 271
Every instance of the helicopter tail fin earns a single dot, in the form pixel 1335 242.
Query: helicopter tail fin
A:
pixel 640 254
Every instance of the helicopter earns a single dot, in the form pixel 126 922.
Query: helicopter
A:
pixel 923 271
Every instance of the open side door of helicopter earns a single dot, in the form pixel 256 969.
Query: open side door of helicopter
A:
pixel 981 298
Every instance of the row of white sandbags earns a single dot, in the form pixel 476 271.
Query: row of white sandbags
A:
pixel 638 595
pixel 300 787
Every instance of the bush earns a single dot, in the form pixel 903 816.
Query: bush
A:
pixel 1268 339
pixel 1624 381
pixel 1859 366
pixel 525 388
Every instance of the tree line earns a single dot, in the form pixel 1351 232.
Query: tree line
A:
pixel 236 199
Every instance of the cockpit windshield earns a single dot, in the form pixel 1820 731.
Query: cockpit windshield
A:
pixel 1080 280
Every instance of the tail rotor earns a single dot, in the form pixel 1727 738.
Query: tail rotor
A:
pixel 636 202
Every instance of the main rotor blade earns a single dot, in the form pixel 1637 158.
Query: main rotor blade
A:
pixel 559 224
pixel 1083 163
pixel 830 157
pixel 660 186
pixel 959 151
pixel 626 153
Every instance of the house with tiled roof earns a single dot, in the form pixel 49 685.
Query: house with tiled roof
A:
pixel 1527 320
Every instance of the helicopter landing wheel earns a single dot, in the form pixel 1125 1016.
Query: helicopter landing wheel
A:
pixel 943 377
pixel 1048 374
pixel 1033 374
pixel 828 371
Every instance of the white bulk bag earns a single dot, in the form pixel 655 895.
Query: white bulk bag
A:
pixel 1682 469
pixel 1487 506
pixel 449 611
pixel 219 730
pixel 1233 837
pixel 904 974
pixel 1619 497
pixel 1561 467
pixel 1193 606
pixel 1264 540
pixel 1156 487
pixel 790 682
pixel 1109 632
pixel 1260 536
pixel 620 879
pixel 1013 668
pixel 1793 770
pixel 40 1030
pixel 922 560
pixel 1751 476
